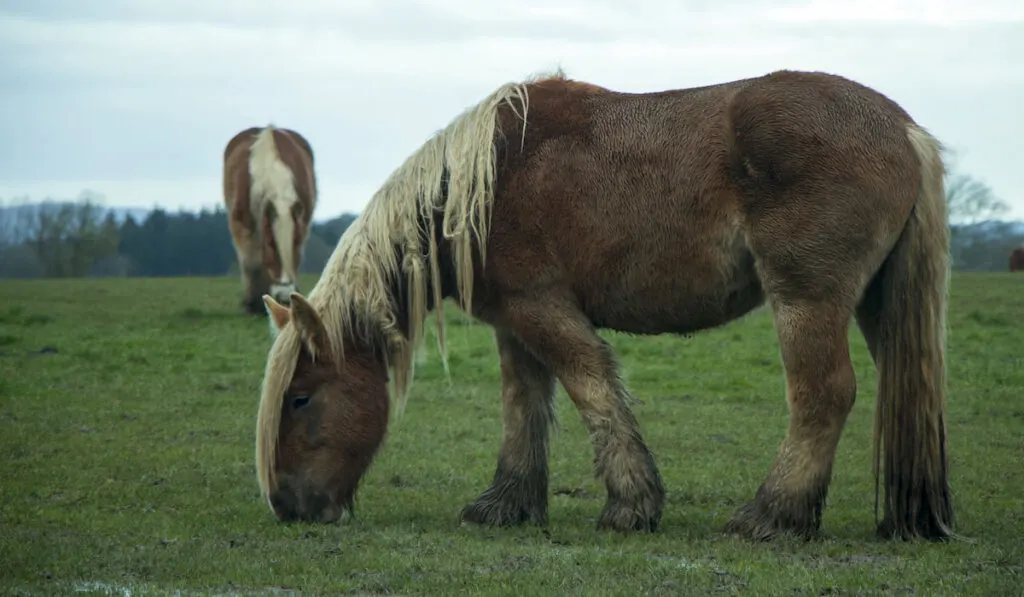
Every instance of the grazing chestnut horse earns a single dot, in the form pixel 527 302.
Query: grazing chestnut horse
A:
pixel 1017 259
pixel 556 207
pixel 270 194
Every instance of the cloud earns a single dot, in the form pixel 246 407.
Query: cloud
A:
pixel 465 40
pixel 132 90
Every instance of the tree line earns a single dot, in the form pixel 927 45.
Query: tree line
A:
pixel 81 238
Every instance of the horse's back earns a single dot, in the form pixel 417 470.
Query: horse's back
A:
pixel 292 149
pixel 300 141
pixel 296 153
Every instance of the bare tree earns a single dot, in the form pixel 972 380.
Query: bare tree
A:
pixel 971 201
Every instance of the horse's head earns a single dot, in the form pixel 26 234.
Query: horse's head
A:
pixel 320 425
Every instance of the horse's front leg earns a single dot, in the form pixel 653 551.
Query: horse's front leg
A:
pixel 519 491
pixel 559 334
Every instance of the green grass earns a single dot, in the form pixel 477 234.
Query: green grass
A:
pixel 127 460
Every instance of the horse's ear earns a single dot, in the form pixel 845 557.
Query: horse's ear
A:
pixel 311 327
pixel 279 315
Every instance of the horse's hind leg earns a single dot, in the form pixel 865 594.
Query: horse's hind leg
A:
pixel 519 491
pixel 820 387
pixel 564 339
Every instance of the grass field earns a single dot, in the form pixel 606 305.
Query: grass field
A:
pixel 127 418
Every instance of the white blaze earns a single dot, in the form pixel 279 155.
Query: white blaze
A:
pixel 273 181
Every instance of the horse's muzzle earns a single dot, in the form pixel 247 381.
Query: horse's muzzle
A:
pixel 282 293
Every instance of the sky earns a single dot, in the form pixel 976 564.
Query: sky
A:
pixel 135 99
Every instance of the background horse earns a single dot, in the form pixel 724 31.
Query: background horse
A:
pixel 556 207
pixel 1017 259
pixel 270 193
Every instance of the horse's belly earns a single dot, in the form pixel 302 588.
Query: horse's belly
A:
pixel 672 292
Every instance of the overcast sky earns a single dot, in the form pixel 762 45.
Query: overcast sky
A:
pixel 135 99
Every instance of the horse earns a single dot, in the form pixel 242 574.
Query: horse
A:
pixel 1017 259
pixel 270 192
pixel 556 207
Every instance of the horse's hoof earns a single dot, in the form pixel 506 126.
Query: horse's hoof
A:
pixel 623 517
pixel 501 513
pixel 756 522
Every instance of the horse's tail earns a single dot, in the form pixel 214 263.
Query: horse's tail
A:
pixel 910 425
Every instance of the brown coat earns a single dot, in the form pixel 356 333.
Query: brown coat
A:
pixel 554 208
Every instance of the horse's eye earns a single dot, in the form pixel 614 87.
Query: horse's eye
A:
pixel 300 402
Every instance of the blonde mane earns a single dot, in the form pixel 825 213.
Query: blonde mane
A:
pixel 353 296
